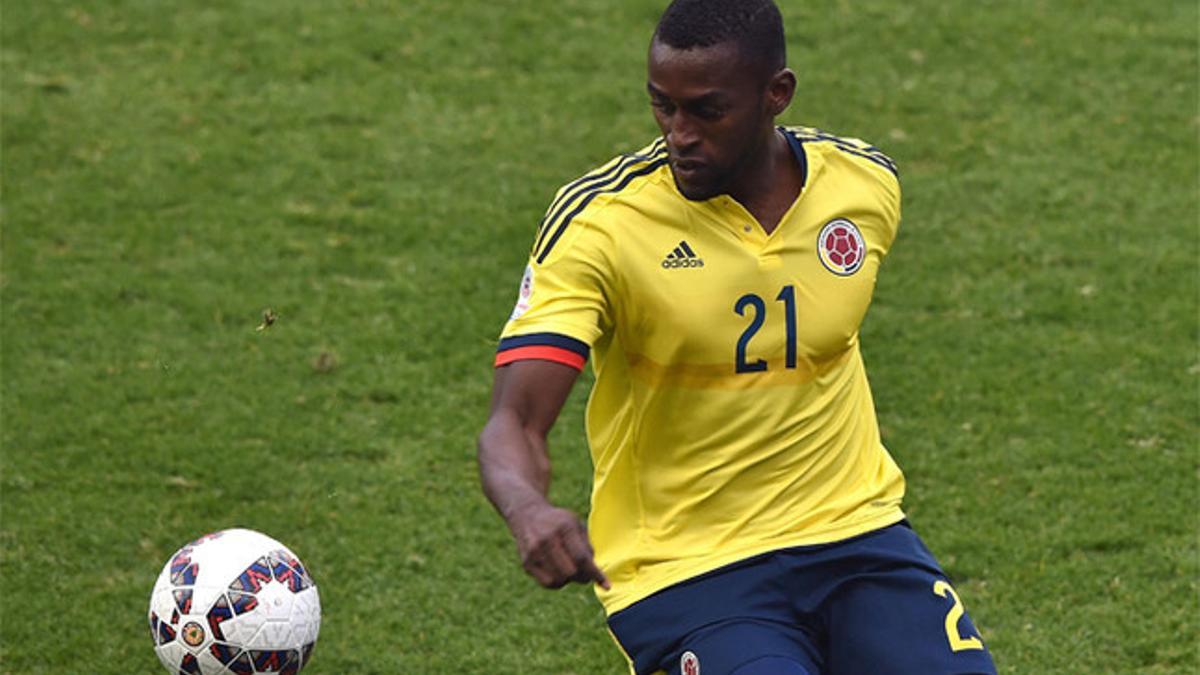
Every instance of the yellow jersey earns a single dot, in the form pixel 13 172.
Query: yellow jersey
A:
pixel 731 413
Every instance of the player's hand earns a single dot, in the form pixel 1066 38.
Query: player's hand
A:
pixel 554 546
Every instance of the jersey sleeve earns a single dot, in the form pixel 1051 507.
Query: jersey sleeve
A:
pixel 563 303
pixel 883 230
pixel 879 179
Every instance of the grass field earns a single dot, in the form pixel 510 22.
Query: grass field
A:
pixel 373 172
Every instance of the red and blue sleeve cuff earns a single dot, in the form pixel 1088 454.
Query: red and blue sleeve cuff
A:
pixel 544 347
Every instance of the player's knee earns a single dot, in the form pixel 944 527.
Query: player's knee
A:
pixel 771 665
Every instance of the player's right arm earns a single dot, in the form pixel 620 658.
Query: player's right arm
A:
pixel 562 309
pixel 514 466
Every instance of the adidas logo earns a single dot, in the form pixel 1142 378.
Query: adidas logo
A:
pixel 682 256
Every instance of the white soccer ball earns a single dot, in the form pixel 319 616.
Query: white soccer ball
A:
pixel 234 601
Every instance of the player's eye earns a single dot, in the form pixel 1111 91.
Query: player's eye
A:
pixel 665 107
pixel 709 113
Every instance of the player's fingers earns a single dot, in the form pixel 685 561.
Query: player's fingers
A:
pixel 584 558
pixel 589 572
pixel 559 561
pixel 534 558
pixel 543 571
pixel 548 563
pixel 538 572
pixel 546 566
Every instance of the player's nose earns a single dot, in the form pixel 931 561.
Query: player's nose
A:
pixel 682 135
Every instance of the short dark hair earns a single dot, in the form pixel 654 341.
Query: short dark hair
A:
pixel 754 25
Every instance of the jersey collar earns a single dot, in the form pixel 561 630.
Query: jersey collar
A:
pixel 727 211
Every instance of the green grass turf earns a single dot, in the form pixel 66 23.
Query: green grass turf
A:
pixel 373 171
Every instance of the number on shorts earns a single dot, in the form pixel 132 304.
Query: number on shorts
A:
pixel 958 643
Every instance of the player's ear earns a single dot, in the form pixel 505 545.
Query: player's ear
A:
pixel 780 90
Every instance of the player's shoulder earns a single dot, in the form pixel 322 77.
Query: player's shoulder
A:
pixel 855 170
pixel 586 199
pixel 846 152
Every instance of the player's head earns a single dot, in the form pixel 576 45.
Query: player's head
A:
pixel 717 78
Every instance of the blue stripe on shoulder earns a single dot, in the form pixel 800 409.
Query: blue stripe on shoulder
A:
pixel 592 194
pixel 576 188
pixel 878 158
pixel 797 146
pixel 869 152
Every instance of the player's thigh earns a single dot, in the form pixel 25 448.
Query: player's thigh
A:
pixel 905 621
pixel 774 665
pixel 745 647
pixel 724 619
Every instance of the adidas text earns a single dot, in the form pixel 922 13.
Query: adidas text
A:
pixel 672 263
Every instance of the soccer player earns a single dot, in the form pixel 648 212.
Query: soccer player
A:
pixel 745 516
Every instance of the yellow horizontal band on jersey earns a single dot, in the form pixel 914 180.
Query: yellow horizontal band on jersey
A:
pixel 723 376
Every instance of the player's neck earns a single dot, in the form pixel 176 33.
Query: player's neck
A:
pixel 769 187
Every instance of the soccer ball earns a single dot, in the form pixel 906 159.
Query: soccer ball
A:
pixel 234 601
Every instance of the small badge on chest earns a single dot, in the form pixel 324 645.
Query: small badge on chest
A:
pixel 841 247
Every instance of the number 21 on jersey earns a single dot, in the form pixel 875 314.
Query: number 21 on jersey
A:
pixel 757 308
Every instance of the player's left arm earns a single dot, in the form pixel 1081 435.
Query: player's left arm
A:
pixel 885 183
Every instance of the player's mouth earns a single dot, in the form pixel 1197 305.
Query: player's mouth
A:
pixel 688 170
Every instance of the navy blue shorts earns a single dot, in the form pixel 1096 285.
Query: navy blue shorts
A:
pixel 875 604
